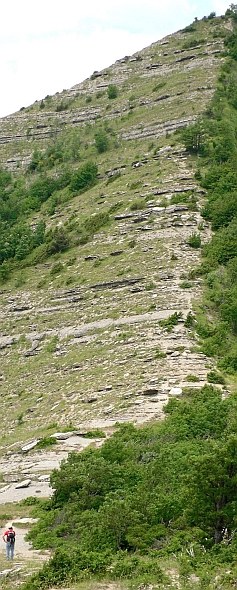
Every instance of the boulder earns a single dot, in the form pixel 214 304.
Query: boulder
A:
pixel 23 484
pixel 45 477
pixel 61 435
pixel 175 391
pixel 30 445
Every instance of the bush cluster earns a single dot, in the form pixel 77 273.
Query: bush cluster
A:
pixel 21 240
pixel 146 494
pixel 214 140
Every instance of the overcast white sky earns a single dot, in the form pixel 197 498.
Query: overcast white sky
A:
pixel 50 45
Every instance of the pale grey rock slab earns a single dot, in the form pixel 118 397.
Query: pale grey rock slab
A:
pixel 41 490
pixel 29 446
pixel 23 484
pixel 61 435
pixel 176 391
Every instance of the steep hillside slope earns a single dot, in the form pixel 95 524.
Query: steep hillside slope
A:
pixel 101 333
pixel 161 87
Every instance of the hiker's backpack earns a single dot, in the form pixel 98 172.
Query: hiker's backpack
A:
pixel 11 537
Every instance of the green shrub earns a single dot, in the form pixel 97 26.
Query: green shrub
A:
pixel 84 178
pixel 194 240
pixel 138 205
pixel 214 377
pixel 190 28
pixel 192 378
pixel 112 91
pixel 211 15
pixel 42 188
pixel 62 106
pixel 101 141
pixel 46 442
pixel 57 240
pixel 56 268
pixel 96 433
pixel 193 138
pixel 185 285
pixel 118 523
pixel 229 360
pixel 193 42
pixel 221 211
pixel 92 224
pixel 223 246
pixel 5 271
pixel 189 321
pixel 30 501
pixel 171 321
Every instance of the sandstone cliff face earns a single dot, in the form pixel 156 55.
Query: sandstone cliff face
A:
pixel 87 345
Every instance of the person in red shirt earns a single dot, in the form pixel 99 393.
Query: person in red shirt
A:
pixel 9 538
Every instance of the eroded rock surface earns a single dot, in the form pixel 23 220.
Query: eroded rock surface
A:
pixel 111 336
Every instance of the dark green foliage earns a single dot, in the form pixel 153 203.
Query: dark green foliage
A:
pixel 35 163
pixel 215 377
pixel 84 178
pixel 171 321
pixel 5 180
pixel 146 493
pixel 101 141
pixel 220 211
pixel 58 240
pixel 223 246
pixel 5 271
pixel 64 148
pixel 18 198
pixel 42 188
pixel 194 241
pixel 231 44
pixel 190 28
pixel 97 433
pixel 46 442
pixel 190 320
pixel 194 138
pixel 193 43
pixel 112 91
pixel 218 141
pixel 19 241
pixel 232 12
pixel 30 244
pixel 56 268
pixel 62 106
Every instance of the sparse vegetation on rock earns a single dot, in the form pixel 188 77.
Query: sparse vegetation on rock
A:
pixel 116 300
